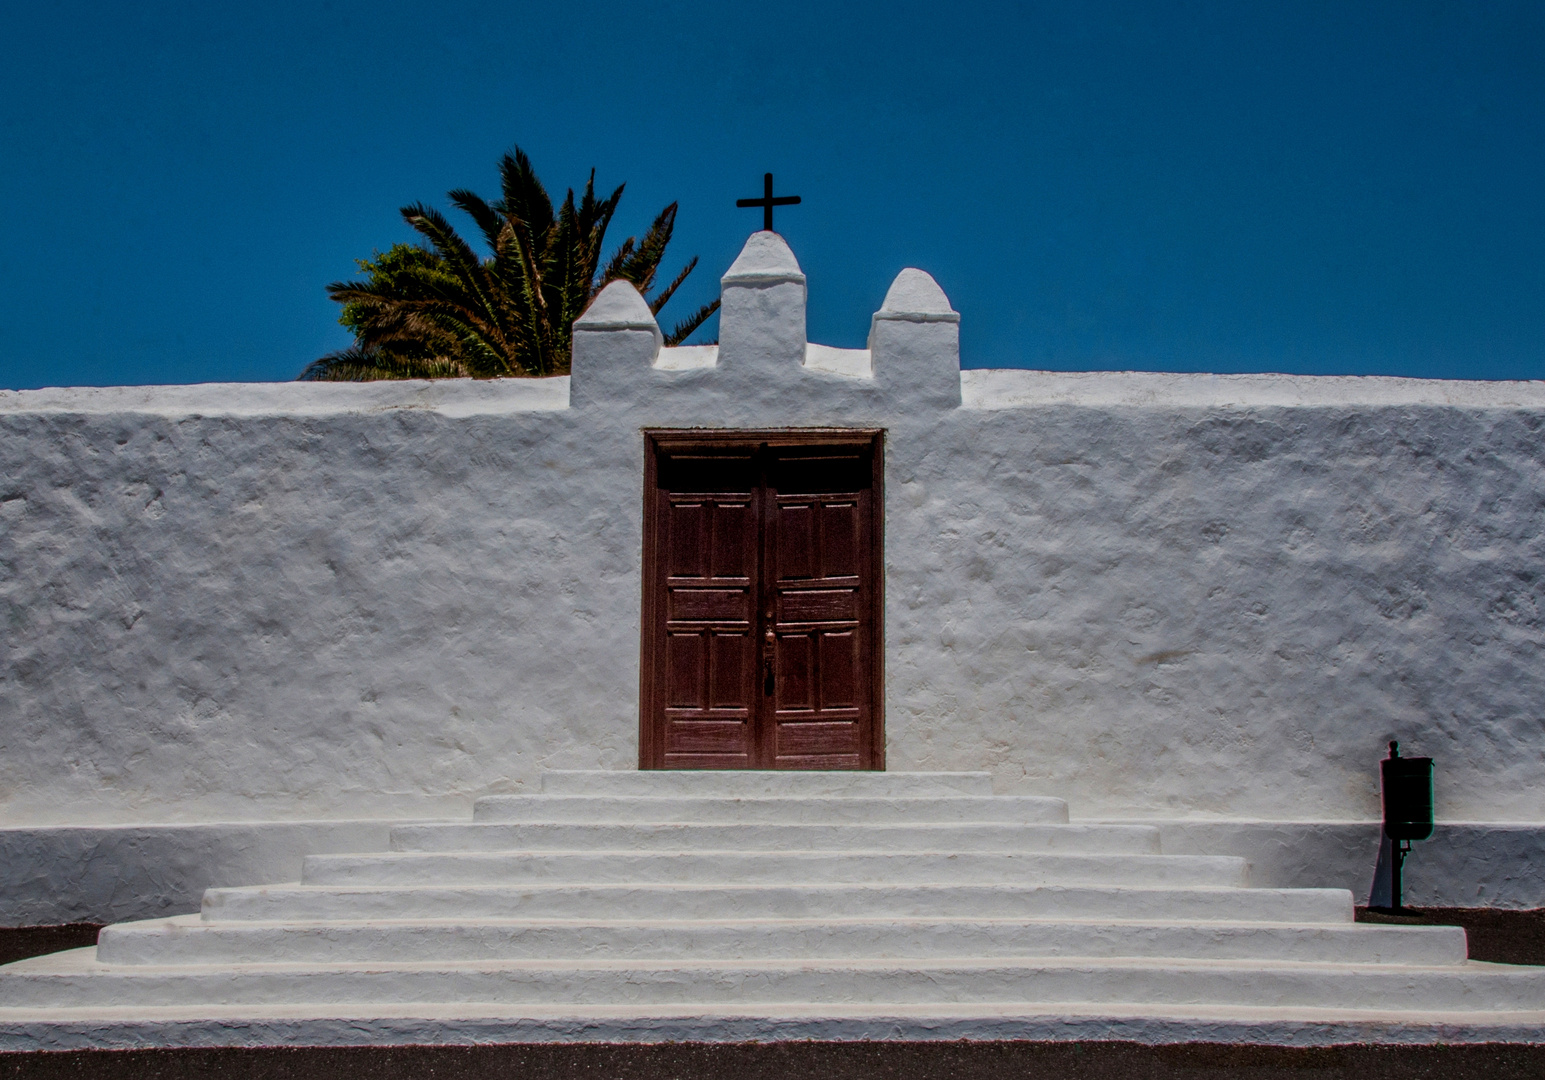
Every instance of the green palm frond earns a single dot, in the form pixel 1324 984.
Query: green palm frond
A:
pixel 523 196
pixel 488 219
pixel 640 264
pixel 457 254
pixel 438 309
pixel 685 328
pixel 359 364
pixel 670 290
pixel 614 265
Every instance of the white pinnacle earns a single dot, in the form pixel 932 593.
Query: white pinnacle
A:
pixel 915 292
pixel 765 258
pixel 617 307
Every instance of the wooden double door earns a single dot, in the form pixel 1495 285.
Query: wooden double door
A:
pixel 762 601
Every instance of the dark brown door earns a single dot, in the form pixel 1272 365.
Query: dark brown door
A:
pixel 761 601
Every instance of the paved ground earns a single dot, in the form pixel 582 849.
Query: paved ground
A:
pixel 806 1061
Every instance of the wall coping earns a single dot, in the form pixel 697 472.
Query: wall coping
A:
pixel 981 388
pixel 1014 388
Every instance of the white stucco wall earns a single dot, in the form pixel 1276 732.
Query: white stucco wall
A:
pixel 1156 596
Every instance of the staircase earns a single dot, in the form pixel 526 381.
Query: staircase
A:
pixel 725 905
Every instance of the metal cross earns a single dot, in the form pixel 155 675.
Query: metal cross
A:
pixel 767 202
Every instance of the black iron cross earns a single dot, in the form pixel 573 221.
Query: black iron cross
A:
pixel 767 202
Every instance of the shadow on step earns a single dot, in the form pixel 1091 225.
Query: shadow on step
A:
pixel 1495 935
pixel 20 942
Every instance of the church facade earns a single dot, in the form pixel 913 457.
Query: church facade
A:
pixel 248 623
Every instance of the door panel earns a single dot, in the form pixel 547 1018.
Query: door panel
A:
pixel 818 605
pixel 698 739
pixel 839 539
pixel 762 605
pixel 796 540
pixel 707 698
pixel 684 662
pixel 794 664
pixel 729 669
pixel 813 744
pixel 708 605
pixel 734 541
pixel 684 538
pixel 817 574
pixel 837 657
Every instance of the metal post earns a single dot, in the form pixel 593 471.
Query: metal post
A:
pixel 1397 856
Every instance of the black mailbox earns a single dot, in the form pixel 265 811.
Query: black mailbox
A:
pixel 1407 796
pixel 1407 784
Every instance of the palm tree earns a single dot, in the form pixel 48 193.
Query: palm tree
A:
pixel 440 311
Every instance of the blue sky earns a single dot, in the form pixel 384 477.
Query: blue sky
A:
pixel 1185 186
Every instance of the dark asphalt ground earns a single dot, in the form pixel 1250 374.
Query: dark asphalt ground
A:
pixel 798 1061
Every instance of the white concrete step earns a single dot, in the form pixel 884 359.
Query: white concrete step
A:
pixel 769 867
pixel 626 893
pixel 189 940
pixel 308 903
pixel 746 783
pixel 77 980
pixel 701 836
pixel 774 810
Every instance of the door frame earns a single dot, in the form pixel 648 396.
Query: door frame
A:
pixel 680 439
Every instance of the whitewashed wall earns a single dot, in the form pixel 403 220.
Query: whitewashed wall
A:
pixel 1155 596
